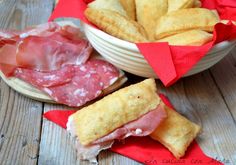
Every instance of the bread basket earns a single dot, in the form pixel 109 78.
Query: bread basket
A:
pixel 126 56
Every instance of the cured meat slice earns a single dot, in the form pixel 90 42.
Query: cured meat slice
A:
pixel 43 48
pixel 139 127
pixel 84 87
pixel 8 37
pixel 108 72
pixel 7 59
pixel 71 33
pixel 42 30
pixel 46 79
pixel 46 53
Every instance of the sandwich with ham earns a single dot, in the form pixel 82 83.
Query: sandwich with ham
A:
pixel 132 111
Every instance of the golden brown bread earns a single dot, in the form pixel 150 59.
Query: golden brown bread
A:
pixel 190 38
pixel 185 19
pixel 129 6
pixel 115 110
pixel 108 4
pixel 176 132
pixel 117 25
pixel 179 4
pixel 148 12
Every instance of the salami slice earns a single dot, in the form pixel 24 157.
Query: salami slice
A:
pixel 84 87
pixel 108 72
pixel 87 83
pixel 46 79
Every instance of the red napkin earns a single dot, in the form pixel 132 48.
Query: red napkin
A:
pixel 144 149
pixel 170 63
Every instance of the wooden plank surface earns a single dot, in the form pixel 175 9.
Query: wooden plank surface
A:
pixel 20 117
pixel 208 98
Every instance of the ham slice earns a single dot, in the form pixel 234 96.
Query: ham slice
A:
pixel 7 59
pixel 139 127
pixel 43 48
pixel 51 53
pixel 12 36
pixel 143 126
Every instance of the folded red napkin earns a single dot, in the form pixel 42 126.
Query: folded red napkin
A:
pixel 144 149
pixel 170 63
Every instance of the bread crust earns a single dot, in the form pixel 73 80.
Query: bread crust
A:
pixel 176 132
pixel 190 38
pixel 117 25
pixel 185 19
pixel 114 5
pixel 180 4
pixel 129 6
pixel 148 12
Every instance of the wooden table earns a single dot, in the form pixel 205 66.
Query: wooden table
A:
pixel 208 98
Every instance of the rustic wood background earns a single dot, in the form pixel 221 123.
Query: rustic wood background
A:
pixel 208 98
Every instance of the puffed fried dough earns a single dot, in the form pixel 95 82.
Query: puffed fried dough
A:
pixel 190 38
pixel 129 6
pixel 114 5
pixel 176 133
pixel 179 4
pixel 148 12
pixel 185 19
pixel 197 3
pixel 115 110
pixel 116 25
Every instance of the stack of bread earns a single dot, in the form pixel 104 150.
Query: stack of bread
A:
pixel 179 22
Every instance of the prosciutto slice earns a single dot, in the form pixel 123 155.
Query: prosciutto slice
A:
pixel 7 59
pixel 139 127
pixel 46 47
pixel 51 53
pixel 143 126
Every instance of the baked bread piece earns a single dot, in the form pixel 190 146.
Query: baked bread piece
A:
pixel 114 5
pixel 190 38
pixel 148 12
pixel 115 110
pixel 176 133
pixel 117 25
pixel 179 4
pixel 185 19
pixel 129 6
